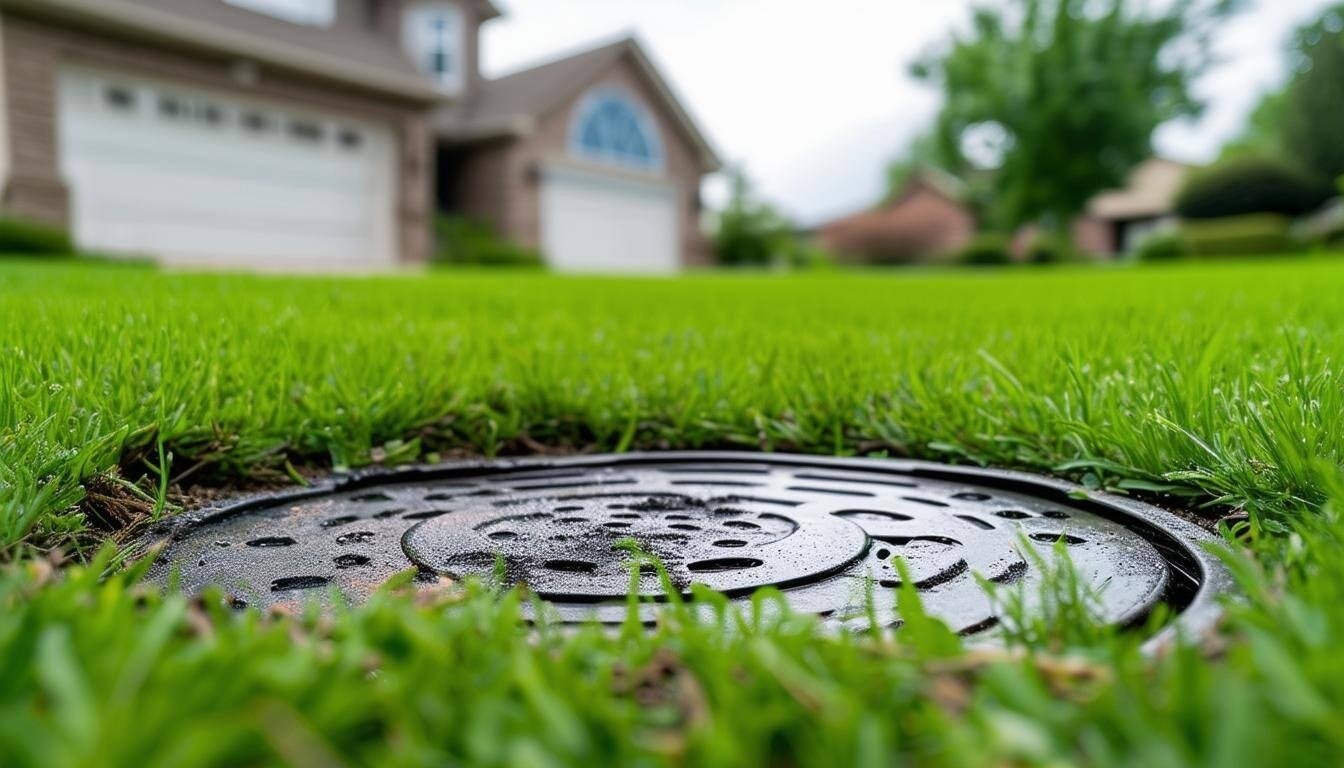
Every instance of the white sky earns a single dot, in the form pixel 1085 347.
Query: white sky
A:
pixel 813 97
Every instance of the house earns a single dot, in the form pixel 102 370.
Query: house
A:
pixel 926 220
pixel 931 220
pixel 1118 220
pixel 326 134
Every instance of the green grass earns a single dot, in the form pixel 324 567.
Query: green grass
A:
pixel 1218 385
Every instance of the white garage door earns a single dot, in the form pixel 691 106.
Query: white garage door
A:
pixel 197 178
pixel 592 222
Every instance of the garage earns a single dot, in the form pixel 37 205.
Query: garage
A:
pixel 593 221
pixel 198 178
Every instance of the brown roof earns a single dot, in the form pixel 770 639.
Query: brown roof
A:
pixel 926 218
pixel 1150 190
pixel 510 105
pixel 342 53
pixel 926 178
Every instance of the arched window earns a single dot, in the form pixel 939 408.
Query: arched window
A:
pixel 609 127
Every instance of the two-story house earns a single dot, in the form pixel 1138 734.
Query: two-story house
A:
pixel 325 134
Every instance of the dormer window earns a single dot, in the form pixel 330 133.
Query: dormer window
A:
pixel 315 13
pixel 435 38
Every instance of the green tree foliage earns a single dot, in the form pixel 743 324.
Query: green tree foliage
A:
pixel 1313 119
pixel 1061 97
pixel 1262 136
pixel 749 231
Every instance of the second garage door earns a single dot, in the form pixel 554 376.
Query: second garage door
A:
pixel 595 222
pixel 199 178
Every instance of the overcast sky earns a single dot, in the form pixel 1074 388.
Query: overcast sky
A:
pixel 814 97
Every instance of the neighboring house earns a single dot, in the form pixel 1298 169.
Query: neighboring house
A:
pixel 321 134
pixel 930 220
pixel 925 221
pixel 1117 221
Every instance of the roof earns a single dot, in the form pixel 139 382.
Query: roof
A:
pixel 1149 191
pixel 936 179
pixel 512 105
pixel 927 217
pixel 926 177
pixel 342 53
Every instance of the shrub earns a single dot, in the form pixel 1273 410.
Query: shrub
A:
pixel 984 251
pixel 749 232
pixel 25 237
pixel 1049 249
pixel 803 255
pixel 1255 234
pixel 1167 246
pixel 1247 185
pixel 467 242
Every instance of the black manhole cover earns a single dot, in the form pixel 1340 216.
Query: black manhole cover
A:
pixel 582 533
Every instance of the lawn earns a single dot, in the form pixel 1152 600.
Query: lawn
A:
pixel 1215 387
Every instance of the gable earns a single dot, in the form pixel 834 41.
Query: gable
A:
pixel 528 101
pixel 625 79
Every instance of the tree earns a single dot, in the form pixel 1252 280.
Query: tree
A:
pixel 1060 97
pixel 1314 102
pixel 749 231
pixel 1263 134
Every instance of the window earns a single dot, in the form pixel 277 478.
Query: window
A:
pixel 435 38
pixel 315 13
pixel 120 98
pixel 209 114
pixel 256 121
pixel 609 127
pixel 350 139
pixel 171 107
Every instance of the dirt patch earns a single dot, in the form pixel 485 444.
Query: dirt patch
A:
pixel 111 505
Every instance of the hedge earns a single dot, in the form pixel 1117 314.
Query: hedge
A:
pixel 1256 234
pixel 984 251
pixel 18 237
pixel 1248 185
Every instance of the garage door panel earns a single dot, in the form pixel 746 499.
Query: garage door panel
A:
pixel 243 164
pixel 244 156
pixel 593 222
pixel 219 192
pixel 198 200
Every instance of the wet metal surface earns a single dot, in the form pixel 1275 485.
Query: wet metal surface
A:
pixel 583 533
